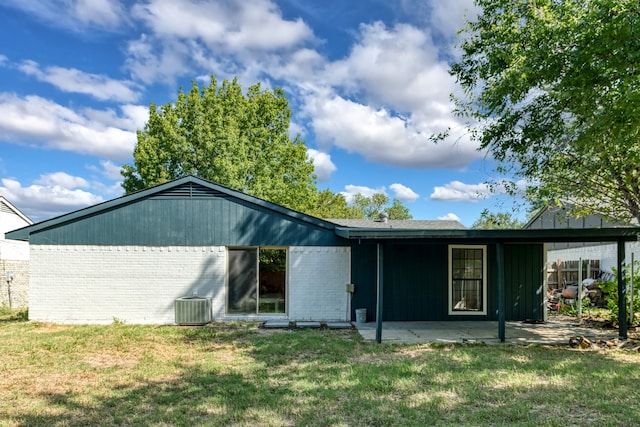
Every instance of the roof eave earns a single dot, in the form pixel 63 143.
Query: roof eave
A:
pixel 511 235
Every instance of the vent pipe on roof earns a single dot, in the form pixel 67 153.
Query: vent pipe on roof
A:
pixel 384 217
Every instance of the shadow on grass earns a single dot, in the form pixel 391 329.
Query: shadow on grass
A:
pixel 325 377
pixel 195 397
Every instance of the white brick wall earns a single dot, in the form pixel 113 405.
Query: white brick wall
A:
pixel 14 250
pixel 14 259
pixel 139 284
pixel 14 293
pixel 317 282
pixel 97 284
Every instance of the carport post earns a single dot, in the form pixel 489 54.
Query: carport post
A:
pixel 500 268
pixel 379 291
pixel 622 292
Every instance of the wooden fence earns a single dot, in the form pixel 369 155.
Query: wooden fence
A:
pixel 562 273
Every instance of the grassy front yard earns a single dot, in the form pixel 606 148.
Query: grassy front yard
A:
pixel 236 374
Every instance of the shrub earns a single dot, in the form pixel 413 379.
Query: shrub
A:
pixel 610 289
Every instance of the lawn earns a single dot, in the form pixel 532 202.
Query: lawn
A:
pixel 235 374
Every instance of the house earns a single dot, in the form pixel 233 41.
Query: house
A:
pixel 14 258
pixel 556 218
pixel 134 258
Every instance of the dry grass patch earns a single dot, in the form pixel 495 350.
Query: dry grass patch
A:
pixel 238 375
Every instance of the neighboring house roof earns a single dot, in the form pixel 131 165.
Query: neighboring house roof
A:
pixel 10 217
pixel 555 217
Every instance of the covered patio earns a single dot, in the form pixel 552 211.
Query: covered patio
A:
pixel 552 332
pixel 487 330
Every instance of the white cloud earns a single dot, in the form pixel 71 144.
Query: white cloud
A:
pixel 447 18
pixel 449 217
pixel 322 164
pixel 403 193
pixel 132 118
pixel 373 70
pixel 232 25
pixel 75 15
pixel 105 13
pixel 351 190
pixel 378 135
pixel 457 191
pixel 150 59
pixel 75 81
pixel 34 120
pixel 62 179
pixel 215 35
pixel 110 170
pixel 41 202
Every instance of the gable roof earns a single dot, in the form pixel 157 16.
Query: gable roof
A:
pixel 6 206
pixel 23 233
pixel 556 217
pixel 349 229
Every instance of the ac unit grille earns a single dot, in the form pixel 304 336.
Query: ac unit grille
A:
pixel 193 311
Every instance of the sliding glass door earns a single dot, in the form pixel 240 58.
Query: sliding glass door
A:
pixel 257 281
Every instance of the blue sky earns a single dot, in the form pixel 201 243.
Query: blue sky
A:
pixel 367 81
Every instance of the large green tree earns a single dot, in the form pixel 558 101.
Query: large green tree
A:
pixel 218 133
pixel 331 205
pixel 552 90
pixel 496 220
pixel 371 207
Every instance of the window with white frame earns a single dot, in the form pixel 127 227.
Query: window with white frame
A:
pixel 467 279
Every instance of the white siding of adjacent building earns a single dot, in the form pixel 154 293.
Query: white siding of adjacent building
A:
pixel 14 259
pixel 606 253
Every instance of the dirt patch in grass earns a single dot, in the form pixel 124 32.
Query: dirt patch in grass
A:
pixel 111 360
pixel 45 328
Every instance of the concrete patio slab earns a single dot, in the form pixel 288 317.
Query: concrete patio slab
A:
pixel 276 324
pixel 551 332
pixel 304 325
pixel 339 325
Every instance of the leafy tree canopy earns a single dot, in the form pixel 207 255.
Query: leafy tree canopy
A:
pixel 371 207
pixel 331 205
pixel 496 220
pixel 219 134
pixel 552 90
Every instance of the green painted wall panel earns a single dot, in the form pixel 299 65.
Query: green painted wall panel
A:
pixel 182 220
pixel 416 281
pixel 524 276
pixel 363 275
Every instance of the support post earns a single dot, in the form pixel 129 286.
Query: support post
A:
pixel 622 292
pixel 631 290
pixel 579 306
pixel 379 286
pixel 501 292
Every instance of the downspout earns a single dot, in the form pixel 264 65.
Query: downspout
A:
pixel 501 292
pixel 379 289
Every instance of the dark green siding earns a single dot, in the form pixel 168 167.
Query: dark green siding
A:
pixel 416 281
pixel 524 285
pixel 363 275
pixel 182 219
